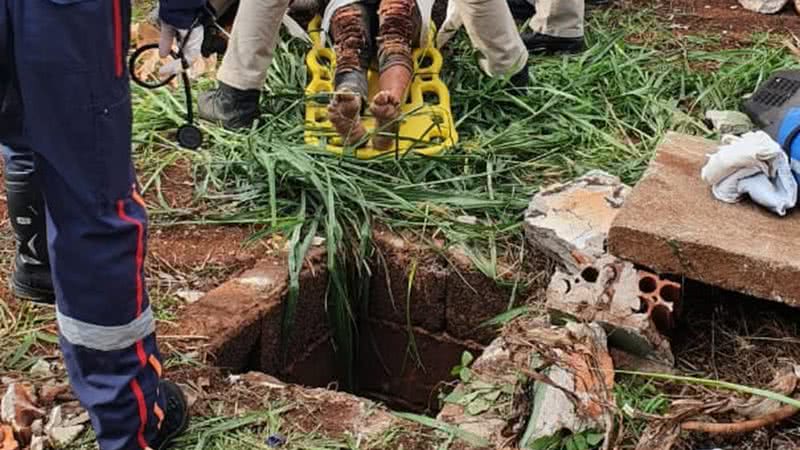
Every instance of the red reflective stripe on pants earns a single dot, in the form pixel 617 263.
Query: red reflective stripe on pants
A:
pixel 117 38
pixel 137 392
pixel 141 354
pixel 139 253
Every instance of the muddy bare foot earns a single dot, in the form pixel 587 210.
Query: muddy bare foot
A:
pixel 344 113
pixel 386 109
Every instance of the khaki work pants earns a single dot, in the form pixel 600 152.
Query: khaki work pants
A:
pixel 493 33
pixel 253 38
pixel 559 18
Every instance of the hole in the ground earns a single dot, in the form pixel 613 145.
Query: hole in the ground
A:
pixel 404 351
pixel 648 284
pixel 590 274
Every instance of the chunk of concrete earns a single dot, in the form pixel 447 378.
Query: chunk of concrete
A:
pixel 570 222
pixel 764 6
pixel 60 432
pixel 41 369
pixel 18 408
pixel 630 305
pixel 729 122
pixel 579 385
pixel 672 224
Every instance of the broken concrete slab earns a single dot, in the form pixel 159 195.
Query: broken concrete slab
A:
pixel 18 408
pixel 670 223
pixel 634 307
pixel 478 405
pixel 41 369
pixel 729 122
pixel 578 391
pixel 764 6
pixel 59 431
pixel 570 222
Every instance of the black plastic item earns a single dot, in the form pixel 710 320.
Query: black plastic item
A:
pixel 772 100
pixel 188 135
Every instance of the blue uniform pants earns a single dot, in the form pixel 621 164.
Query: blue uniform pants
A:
pixel 65 102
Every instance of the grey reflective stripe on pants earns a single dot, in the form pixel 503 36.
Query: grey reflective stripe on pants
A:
pixel 106 339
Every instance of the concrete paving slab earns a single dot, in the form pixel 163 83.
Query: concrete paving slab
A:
pixel 670 223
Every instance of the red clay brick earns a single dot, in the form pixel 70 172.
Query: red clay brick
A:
pixel 310 319
pixel 230 316
pixel 316 367
pixel 394 260
pixel 472 299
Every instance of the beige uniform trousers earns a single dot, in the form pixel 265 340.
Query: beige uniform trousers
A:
pixel 491 30
pixel 560 18
pixel 253 38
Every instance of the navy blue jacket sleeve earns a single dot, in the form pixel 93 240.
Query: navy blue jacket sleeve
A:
pixel 180 13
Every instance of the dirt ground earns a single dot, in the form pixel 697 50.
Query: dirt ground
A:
pixel 734 24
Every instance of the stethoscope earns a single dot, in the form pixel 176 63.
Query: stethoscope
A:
pixel 189 135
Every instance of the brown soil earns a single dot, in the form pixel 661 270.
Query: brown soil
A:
pixel 725 17
pixel 735 338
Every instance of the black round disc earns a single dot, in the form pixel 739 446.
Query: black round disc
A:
pixel 189 136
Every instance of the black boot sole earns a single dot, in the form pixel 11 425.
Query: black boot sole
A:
pixel 167 439
pixel 32 294
pixel 558 49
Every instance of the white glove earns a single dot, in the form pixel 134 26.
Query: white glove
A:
pixel 171 36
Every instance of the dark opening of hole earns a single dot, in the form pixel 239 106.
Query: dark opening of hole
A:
pixel 670 293
pixel 648 285
pixel 590 274
pixel 662 318
pixel 643 306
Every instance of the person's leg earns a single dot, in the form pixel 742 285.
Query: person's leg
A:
pixel 244 67
pixel 77 117
pixel 352 42
pixel 494 34
pixel 30 278
pixel 399 28
pixel 556 27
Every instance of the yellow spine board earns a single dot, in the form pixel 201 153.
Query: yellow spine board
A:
pixel 427 126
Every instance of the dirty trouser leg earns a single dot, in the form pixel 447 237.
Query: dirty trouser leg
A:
pixel 353 44
pixel 559 18
pixel 69 61
pixel 252 44
pixel 352 39
pixel 400 24
pixel 494 34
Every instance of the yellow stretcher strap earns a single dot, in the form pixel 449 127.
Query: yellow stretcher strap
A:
pixel 427 125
